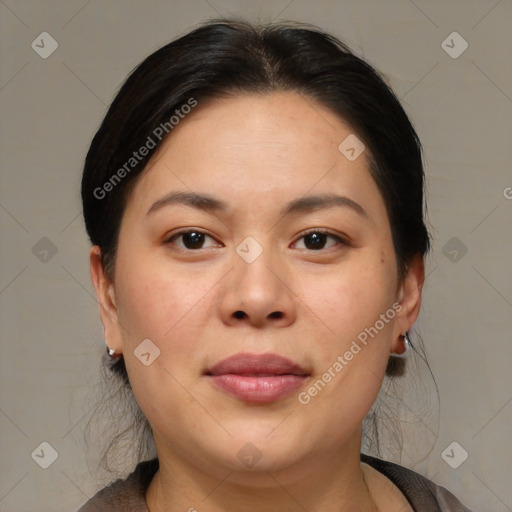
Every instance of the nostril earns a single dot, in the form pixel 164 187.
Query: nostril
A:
pixel 239 314
pixel 276 314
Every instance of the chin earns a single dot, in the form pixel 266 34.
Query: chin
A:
pixel 253 450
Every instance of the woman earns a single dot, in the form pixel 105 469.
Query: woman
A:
pixel 254 198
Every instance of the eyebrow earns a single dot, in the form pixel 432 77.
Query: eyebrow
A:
pixel 208 203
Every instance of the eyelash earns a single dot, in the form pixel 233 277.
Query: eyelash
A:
pixel 341 241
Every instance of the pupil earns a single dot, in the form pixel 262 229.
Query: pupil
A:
pixel 318 240
pixel 193 239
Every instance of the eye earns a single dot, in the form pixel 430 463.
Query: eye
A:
pixel 191 239
pixel 315 239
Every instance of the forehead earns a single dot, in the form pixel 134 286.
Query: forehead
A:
pixel 259 148
pixel 285 124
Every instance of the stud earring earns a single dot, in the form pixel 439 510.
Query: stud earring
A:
pixel 408 348
pixel 113 357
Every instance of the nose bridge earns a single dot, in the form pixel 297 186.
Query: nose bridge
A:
pixel 254 263
pixel 256 292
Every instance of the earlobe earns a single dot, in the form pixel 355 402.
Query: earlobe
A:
pixel 407 347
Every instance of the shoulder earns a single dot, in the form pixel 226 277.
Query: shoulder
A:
pixel 422 493
pixel 124 495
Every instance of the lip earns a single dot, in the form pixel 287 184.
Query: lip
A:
pixel 258 378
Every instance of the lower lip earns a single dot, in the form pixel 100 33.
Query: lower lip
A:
pixel 258 389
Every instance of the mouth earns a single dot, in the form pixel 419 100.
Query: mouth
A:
pixel 257 378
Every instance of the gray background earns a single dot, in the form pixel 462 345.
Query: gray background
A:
pixel 51 332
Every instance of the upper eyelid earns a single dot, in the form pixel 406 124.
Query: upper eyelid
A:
pixel 342 238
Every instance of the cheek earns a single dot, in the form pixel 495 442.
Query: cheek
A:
pixel 353 357
pixel 156 306
pixel 359 292
pixel 156 303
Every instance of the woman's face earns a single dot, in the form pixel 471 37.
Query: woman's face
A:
pixel 249 280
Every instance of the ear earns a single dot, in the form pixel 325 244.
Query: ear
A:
pixel 409 300
pixel 105 293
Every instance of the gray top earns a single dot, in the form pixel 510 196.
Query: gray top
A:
pixel 128 495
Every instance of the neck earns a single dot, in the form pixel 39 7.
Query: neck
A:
pixel 326 483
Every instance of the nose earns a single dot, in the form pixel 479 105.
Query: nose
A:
pixel 258 293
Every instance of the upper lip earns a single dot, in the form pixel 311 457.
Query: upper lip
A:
pixel 268 364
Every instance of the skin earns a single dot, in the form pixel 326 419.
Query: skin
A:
pixel 256 153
